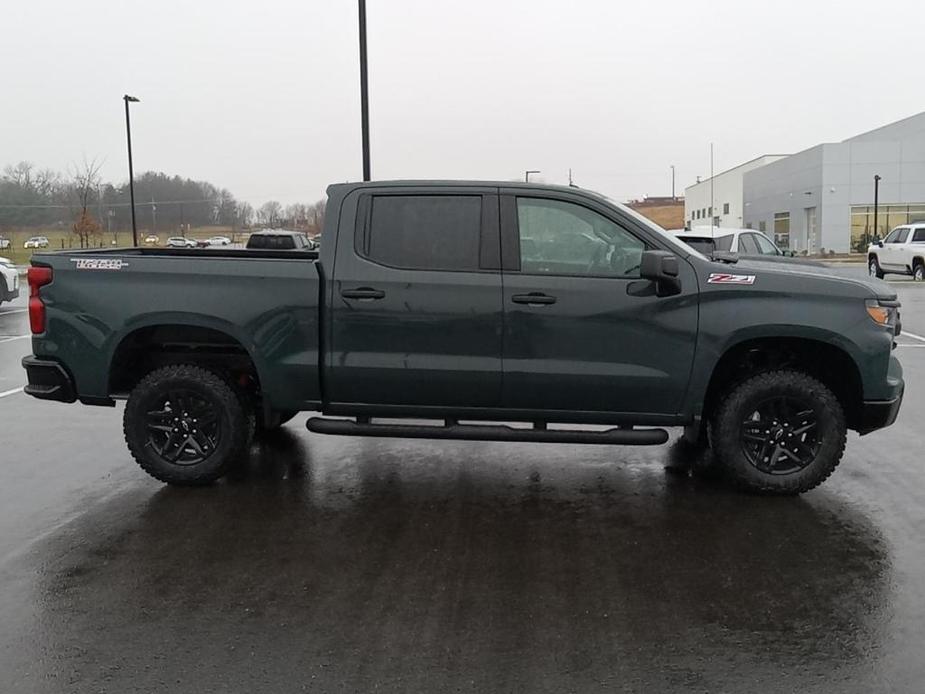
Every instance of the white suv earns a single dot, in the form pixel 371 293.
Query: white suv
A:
pixel 9 281
pixel 902 252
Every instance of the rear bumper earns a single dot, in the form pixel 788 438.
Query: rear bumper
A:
pixel 48 380
pixel 879 414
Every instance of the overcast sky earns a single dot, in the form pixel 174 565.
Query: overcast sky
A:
pixel 263 97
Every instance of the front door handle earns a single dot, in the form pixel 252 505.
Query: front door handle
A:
pixel 533 299
pixel 363 294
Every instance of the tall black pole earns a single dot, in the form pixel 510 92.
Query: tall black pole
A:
pixel 876 203
pixel 131 174
pixel 364 91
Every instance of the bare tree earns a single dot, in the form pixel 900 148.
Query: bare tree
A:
pixel 315 217
pixel 270 213
pixel 85 182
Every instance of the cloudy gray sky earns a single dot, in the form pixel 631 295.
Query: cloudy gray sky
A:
pixel 262 97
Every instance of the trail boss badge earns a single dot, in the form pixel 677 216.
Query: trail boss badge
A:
pixel 99 263
pixel 726 278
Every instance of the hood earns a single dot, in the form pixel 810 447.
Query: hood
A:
pixel 805 269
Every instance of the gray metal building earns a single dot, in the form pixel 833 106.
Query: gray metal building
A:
pixel 822 199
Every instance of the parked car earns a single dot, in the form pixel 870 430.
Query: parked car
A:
pixel 36 242
pixel 180 242
pixel 421 305
pixel 152 239
pixel 9 280
pixel 219 241
pixel 279 240
pixel 902 252
pixel 4 243
pixel 746 242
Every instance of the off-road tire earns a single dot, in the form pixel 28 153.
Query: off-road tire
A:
pixel 230 413
pixel 873 267
pixel 738 403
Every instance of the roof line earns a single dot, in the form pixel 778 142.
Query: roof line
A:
pixel 737 166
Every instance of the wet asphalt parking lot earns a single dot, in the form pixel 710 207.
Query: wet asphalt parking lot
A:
pixel 349 564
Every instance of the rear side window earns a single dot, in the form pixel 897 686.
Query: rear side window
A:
pixel 724 243
pixel 919 236
pixel 425 232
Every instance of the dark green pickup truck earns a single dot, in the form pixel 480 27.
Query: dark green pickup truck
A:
pixel 503 311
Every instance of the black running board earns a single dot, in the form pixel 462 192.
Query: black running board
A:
pixel 488 432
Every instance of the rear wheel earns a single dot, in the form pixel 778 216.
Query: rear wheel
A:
pixel 873 268
pixel 780 432
pixel 185 425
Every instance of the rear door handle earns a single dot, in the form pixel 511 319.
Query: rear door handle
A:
pixel 533 299
pixel 363 294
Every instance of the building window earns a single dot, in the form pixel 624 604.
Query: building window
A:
pixel 710 213
pixel 703 213
pixel 782 229
pixel 762 226
pixel 716 221
pixel 725 208
pixel 748 225
pixel 888 217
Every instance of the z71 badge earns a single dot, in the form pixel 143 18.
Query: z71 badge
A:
pixel 99 263
pixel 725 278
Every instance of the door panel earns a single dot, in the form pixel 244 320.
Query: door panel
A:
pixel 416 337
pixel 604 342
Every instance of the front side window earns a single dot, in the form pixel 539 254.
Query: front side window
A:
pixel 425 232
pixel 747 244
pixel 724 243
pixel 892 236
pixel 562 238
pixel 765 247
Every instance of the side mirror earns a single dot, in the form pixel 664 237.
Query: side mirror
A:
pixel 880 243
pixel 662 268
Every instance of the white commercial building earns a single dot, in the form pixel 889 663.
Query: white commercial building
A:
pixel 822 199
pixel 719 200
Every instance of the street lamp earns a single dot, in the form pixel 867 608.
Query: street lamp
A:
pixel 672 182
pixel 876 203
pixel 364 91
pixel 131 182
pixel 528 172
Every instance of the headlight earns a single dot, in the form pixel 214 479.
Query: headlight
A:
pixel 885 313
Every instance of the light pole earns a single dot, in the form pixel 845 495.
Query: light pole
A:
pixel 153 218
pixel 876 204
pixel 528 172
pixel 109 216
pixel 364 91
pixel 672 182
pixel 131 176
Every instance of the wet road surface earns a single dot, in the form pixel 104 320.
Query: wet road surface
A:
pixel 349 564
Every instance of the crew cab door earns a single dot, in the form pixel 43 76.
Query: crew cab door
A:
pixel 582 331
pixel 415 306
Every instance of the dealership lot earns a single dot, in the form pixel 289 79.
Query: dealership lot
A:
pixel 342 564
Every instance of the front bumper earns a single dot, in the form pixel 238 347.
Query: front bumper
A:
pixel 48 380
pixel 879 414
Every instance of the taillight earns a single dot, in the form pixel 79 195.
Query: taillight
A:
pixel 38 277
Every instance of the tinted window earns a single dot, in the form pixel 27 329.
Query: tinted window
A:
pixel 704 245
pixel 894 236
pixel 562 238
pixel 919 235
pixel 425 232
pixel 270 242
pixel 903 235
pixel 724 243
pixel 765 247
pixel 747 244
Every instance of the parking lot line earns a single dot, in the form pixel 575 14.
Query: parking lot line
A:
pixel 10 313
pixel 912 335
pixel 7 393
pixel 14 337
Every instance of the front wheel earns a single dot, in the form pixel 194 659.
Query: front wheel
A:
pixel 780 432
pixel 918 272
pixel 185 425
pixel 873 268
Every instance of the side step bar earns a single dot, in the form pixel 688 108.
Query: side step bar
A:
pixel 488 432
